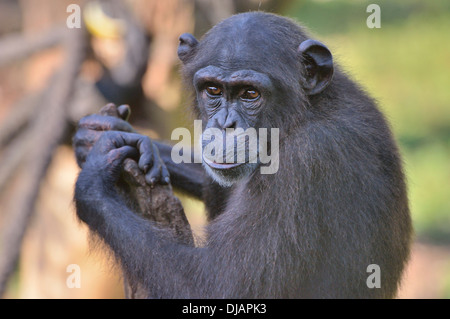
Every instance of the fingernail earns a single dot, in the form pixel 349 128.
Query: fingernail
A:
pixel 167 179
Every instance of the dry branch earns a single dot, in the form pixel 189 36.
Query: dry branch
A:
pixel 18 133
pixel 18 46
pixel 21 113
pixel 50 127
pixel 159 205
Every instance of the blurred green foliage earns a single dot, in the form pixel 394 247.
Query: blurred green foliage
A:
pixel 405 65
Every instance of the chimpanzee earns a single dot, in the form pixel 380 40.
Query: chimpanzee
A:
pixel 337 204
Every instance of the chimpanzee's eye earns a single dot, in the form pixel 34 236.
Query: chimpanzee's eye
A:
pixel 213 91
pixel 250 94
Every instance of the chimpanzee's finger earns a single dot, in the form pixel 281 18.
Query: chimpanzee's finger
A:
pixel 104 123
pixel 81 154
pixel 165 175
pixel 146 149
pixel 109 109
pixel 149 160
pixel 124 112
pixel 84 137
pixel 153 176
pixel 144 145
pixel 158 172
pixel 82 142
pixel 118 155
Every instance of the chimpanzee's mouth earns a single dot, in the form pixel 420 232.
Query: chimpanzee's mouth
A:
pixel 222 166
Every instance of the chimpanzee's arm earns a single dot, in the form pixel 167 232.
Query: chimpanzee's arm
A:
pixel 188 177
pixel 147 254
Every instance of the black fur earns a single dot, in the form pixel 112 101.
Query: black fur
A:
pixel 337 204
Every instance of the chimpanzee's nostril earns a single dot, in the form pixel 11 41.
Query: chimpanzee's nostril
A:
pixel 230 123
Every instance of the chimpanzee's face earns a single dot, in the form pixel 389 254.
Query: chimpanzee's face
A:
pixel 231 102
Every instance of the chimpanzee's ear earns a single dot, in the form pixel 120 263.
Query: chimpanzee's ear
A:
pixel 187 45
pixel 319 66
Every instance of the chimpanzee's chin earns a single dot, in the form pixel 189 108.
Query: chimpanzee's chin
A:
pixel 231 176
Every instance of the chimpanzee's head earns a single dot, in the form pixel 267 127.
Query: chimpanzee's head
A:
pixel 253 70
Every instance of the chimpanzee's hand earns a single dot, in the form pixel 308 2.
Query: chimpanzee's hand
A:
pixel 91 127
pixel 105 159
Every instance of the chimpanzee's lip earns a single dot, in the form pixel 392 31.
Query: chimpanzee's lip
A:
pixel 222 166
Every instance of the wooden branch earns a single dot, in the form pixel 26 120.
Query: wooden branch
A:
pixel 18 46
pixel 19 116
pixel 52 125
pixel 13 157
pixel 19 132
pixel 157 204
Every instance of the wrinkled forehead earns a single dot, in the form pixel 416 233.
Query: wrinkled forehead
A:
pixel 217 74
